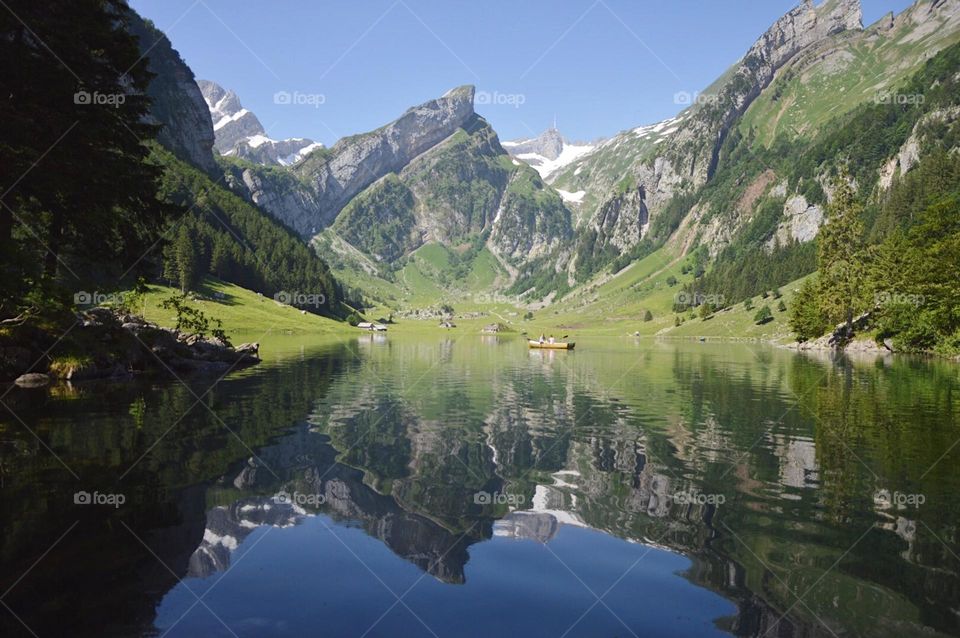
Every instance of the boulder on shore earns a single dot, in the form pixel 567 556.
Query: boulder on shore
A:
pixel 32 380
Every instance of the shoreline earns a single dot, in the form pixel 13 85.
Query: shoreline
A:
pixel 107 344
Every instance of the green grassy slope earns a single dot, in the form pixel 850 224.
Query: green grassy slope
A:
pixel 854 68
pixel 245 314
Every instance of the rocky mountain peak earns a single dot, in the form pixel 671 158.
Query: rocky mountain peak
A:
pixel 239 133
pixel 548 152
pixel 220 101
pixel 805 25
pixel 465 92
pixel 357 161
pixel 548 144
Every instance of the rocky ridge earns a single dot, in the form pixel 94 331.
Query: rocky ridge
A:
pixel 177 104
pixel 681 154
pixel 327 182
pixel 437 174
pixel 239 132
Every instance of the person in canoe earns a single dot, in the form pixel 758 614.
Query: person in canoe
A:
pixel 552 340
pixel 542 339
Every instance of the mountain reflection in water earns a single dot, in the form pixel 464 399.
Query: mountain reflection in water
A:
pixel 667 489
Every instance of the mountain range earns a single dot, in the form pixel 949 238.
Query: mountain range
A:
pixel 434 206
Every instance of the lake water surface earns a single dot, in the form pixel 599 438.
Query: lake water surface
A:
pixel 461 485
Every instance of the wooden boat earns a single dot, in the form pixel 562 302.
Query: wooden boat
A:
pixel 557 345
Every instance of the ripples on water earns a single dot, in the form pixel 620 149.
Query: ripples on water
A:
pixel 468 486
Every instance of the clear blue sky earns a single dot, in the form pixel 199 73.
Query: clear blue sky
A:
pixel 599 66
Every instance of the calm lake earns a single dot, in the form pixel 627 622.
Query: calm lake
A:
pixel 458 485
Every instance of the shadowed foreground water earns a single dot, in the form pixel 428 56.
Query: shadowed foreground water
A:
pixel 466 486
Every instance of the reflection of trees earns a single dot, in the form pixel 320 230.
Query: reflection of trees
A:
pixel 864 424
pixel 99 574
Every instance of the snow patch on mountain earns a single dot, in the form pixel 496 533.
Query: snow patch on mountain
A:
pixel 238 132
pixel 548 152
pixel 573 198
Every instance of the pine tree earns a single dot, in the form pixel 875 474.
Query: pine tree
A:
pixel 806 320
pixel 763 316
pixel 841 257
pixel 219 257
pixel 186 260
pixel 83 122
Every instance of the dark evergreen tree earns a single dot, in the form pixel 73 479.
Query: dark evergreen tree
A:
pixel 75 185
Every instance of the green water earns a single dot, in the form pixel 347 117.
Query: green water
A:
pixel 705 488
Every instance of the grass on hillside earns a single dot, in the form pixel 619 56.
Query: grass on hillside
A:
pixel 609 305
pixel 802 100
pixel 241 311
pixel 618 306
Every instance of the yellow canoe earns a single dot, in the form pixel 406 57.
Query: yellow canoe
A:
pixel 559 345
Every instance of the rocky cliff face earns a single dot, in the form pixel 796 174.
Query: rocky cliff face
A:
pixel 436 174
pixel 331 178
pixel 239 132
pixel 697 143
pixel 622 220
pixel 681 154
pixel 177 104
pixel 357 161
pixel 801 222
